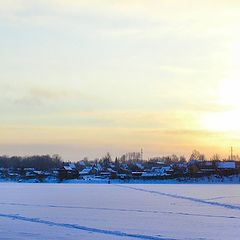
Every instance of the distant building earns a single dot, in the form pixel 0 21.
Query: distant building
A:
pixel 68 172
pixel 229 165
pixel 227 168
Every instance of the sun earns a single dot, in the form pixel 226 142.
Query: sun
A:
pixel 223 121
pixel 227 119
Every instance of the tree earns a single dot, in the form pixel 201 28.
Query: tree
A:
pixel 215 157
pixel 182 159
pixel 174 158
pixel 106 160
pixel 197 156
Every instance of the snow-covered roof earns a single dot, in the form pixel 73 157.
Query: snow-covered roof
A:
pixel 181 165
pixel 164 171
pixel 111 170
pixel 98 167
pixel 67 168
pixel 208 163
pixel 82 163
pixel 167 168
pixel 226 165
pixel 72 165
pixel 139 165
pixel 86 170
pixel 105 173
pixel 154 174
pixel 38 172
pixel 161 162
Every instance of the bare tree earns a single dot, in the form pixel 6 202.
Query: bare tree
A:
pixel 196 155
pixel 215 157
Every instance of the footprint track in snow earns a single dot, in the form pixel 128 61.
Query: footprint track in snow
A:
pixel 192 199
pixel 83 228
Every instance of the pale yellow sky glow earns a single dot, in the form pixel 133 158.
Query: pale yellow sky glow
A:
pixel 82 78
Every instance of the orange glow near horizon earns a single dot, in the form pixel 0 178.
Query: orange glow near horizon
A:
pixel 80 78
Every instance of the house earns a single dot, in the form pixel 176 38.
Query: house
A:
pixel 180 168
pixel 105 174
pixel 194 168
pixel 207 167
pixel 123 176
pixel 72 165
pixel 29 173
pixel 113 173
pixel 86 171
pixel 82 163
pixel 68 172
pixel 156 172
pixel 137 174
pixel 98 167
pixel 13 175
pixel 227 167
pixel 139 166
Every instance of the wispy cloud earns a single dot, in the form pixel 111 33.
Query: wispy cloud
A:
pixel 43 96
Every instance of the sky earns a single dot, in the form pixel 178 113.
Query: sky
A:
pixel 81 78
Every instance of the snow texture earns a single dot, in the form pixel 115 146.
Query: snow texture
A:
pixel 119 211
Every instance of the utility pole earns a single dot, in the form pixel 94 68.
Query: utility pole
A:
pixel 231 153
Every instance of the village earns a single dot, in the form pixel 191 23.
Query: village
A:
pixel 129 166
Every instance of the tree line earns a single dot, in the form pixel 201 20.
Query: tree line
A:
pixel 47 162
pixel 42 162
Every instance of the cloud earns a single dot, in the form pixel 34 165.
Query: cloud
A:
pixel 44 95
pixel 192 133
pixel 130 119
pixel 173 16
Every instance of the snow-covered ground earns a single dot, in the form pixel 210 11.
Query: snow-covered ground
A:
pixel 119 211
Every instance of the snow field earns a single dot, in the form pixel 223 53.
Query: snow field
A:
pixel 125 211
